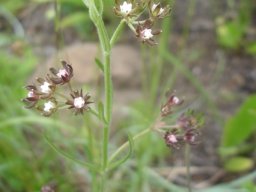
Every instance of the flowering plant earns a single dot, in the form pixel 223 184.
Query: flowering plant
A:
pixel 46 95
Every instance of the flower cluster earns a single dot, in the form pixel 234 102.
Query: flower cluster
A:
pixel 186 128
pixel 131 10
pixel 45 97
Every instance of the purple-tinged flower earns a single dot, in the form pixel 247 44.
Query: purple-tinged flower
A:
pixel 79 102
pixel 46 88
pixel 156 11
pixel 62 75
pixel 187 121
pixel 32 96
pixel 172 139
pixel 172 101
pixel 145 33
pixel 191 136
pixel 48 107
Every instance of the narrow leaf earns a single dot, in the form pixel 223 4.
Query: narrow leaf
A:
pixel 101 112
pixel 128 155
pixel 88 165
pixel 99 64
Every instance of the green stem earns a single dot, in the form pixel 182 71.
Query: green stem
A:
pixel 92 158
pixel 187 162
pixel 159 62
pixel 117 32
pixel 126 144
pixel 106 48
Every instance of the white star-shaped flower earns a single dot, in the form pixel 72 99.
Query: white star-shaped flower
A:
pixel 126 8
pixel 48 106
pixel 79 102
pixel 147 34
pixel 45 88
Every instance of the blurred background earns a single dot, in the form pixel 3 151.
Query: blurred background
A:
pixel 206 53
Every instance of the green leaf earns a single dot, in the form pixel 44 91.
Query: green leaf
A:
pixel 238 164
pixel 99 64
pixel 242 125
pixel 126 157
pixel 83 163
pixel 101 112
pixel 230 34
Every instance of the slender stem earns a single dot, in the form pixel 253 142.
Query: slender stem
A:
pixel 108 108
pixel 117 32
pixel 159 61
pixel 102 182
pixel 70 87
pixel 126 144
pixel 187 162
pixel 139 22
pixel 92 157
pixel 106 49
pixel 62 95
pixel 171 126
pixel 131 27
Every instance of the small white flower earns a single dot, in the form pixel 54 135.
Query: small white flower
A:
pixel 79 102
pixel 154 6
pixel 146 34
pixel 126 8
pixel 172 138
pixel 160 11
pixel 48 106
pixel 45 88
pixel 62 72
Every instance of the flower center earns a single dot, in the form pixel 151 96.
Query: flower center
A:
pixel 79 102
pixel 126 8
pixel 31 94
pixel 147 34
pixel 49 106
pixel 45 88
pixel 62 73
pixel 172 138
pixel 175 100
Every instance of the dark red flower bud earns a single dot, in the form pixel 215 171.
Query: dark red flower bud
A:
pixel 63 75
